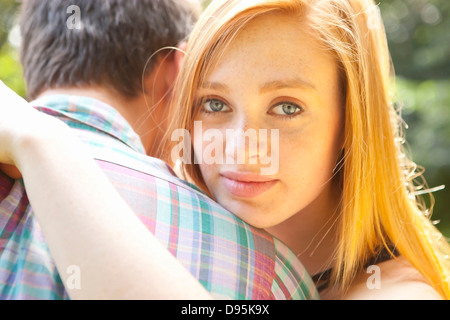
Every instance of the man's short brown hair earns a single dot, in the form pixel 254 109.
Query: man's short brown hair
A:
pixel 111 48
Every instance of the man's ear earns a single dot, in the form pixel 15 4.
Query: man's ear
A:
pixel 176 63
pixel 165 71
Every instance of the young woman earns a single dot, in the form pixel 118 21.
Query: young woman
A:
pixel 344 195
pixel 317 75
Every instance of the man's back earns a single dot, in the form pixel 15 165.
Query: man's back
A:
pixel 229 258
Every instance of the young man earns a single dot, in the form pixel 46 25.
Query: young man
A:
pixel 95 75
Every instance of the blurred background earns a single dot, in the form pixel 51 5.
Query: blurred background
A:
pixel 419 38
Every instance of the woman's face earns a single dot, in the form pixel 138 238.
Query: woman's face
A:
pixel 277 87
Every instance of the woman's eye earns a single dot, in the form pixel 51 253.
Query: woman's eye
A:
pixel 215 105
pixel 286 109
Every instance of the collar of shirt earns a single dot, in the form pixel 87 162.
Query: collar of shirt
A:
pixel 94 113
pixel 104 118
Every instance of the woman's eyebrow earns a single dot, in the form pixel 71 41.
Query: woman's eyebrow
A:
pixel 215 86
pixel 286 84
pixel 268 86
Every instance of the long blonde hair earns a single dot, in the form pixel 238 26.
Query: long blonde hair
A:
pixel 380 209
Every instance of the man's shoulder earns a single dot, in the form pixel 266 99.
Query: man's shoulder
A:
pixel 90 115
pixel 107 136
pixel 291 280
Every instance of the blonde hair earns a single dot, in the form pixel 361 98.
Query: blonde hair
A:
pixel 380 208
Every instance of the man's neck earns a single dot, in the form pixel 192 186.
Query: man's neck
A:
pixel 135 111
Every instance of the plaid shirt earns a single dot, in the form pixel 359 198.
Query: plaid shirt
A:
pixel 230 259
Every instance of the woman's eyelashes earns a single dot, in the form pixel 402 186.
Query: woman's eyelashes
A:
pixel 214 106
pixel 285 110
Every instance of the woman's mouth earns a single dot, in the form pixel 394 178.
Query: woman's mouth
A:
pixel 247 185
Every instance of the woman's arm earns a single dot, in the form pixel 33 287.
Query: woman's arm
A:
pixel 85 221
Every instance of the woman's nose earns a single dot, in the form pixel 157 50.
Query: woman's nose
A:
pixel 244 142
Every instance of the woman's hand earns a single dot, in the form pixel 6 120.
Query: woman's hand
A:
pixel 11 171
pixel 12 109
pixel 19 124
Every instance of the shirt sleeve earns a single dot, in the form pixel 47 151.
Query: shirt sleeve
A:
pixel 291 280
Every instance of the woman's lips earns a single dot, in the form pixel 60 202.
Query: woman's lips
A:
pixel 247 185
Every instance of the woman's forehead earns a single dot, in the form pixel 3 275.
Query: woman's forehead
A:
pixel 275 44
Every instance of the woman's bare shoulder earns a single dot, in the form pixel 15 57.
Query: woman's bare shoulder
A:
pixel 391 280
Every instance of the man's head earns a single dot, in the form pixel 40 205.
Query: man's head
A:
pixel 110 49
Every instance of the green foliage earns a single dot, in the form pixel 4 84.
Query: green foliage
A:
pixel 8 10
pixel 426 111
pixel 11 70
pixel 419 41
pixel 419 37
